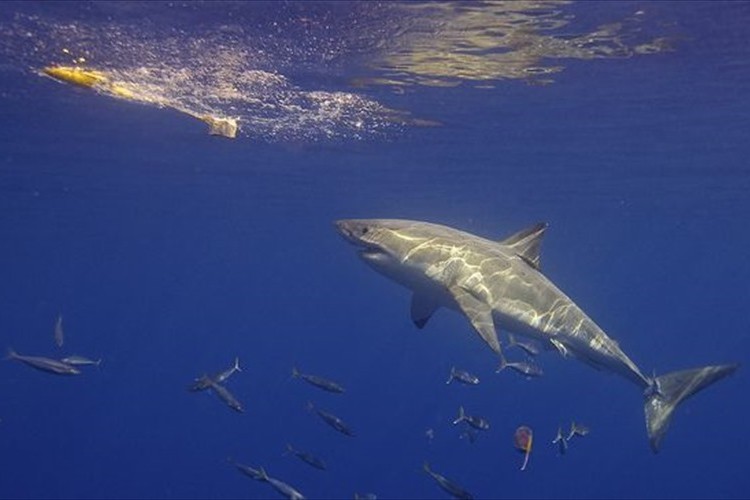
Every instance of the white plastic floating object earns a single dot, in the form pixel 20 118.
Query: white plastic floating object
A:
pixel 225 127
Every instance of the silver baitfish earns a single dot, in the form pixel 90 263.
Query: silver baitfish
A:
pixel 320 382
pixel 75 360
pixel 528 370
pixel 450 487
pixel 331 420
pixel 306 457
pixel 44 364
pixel 478 423
pixel 462 376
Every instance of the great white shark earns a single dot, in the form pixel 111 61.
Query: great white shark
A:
pixel 499 284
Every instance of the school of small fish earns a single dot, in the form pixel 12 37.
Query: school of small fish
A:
pixel 64 366
pixel 216 383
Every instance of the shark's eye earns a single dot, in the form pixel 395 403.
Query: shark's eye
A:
pixel 365 230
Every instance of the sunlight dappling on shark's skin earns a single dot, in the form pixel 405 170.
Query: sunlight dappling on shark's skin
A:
pixel 499 283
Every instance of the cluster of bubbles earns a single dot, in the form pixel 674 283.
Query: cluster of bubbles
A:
pixel 308 71
pixel 224 71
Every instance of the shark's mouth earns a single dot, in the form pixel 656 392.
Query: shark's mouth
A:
pixel 357 232
pixel 370 253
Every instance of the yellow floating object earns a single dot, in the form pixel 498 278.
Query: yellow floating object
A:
pixel 76 75
pixel 87 78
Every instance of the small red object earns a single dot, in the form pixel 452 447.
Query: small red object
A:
pixel 522 440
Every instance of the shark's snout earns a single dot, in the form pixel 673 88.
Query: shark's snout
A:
pixel 352 230
pixel 341 226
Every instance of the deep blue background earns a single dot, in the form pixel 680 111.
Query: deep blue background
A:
pixel 168 252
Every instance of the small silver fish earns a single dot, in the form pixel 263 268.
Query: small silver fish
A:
pixel 280 486
pixel 227 397
pixel 577 430
pixel 462 376
pixel 59 335
pixel 201 383
pixel 221 377
pixel 450 487
pixel 529 347
pixel 248 471
pixel 365 496
pixel 308 458
pixel 320 382
pixel 478 423
pixel 331 420
pixel 529 370
pixel 561 441
pixel 204 381
pixel 76 360
pixel 44 364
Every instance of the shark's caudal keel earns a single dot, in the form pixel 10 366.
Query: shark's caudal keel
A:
pixel 499 283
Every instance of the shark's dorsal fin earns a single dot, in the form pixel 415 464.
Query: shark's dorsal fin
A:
pixel 422 309
pixel 527 243
pixel 480 315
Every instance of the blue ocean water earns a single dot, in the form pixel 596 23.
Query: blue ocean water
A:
pixel 168 251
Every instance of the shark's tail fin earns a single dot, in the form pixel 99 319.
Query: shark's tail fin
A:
pixel 668 391
pixel 10 354
pixel 295 372
pixel 237 364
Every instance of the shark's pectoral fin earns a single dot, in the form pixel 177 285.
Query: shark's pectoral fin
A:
pixel 480 315
pixel 422 309
pixel 527 243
